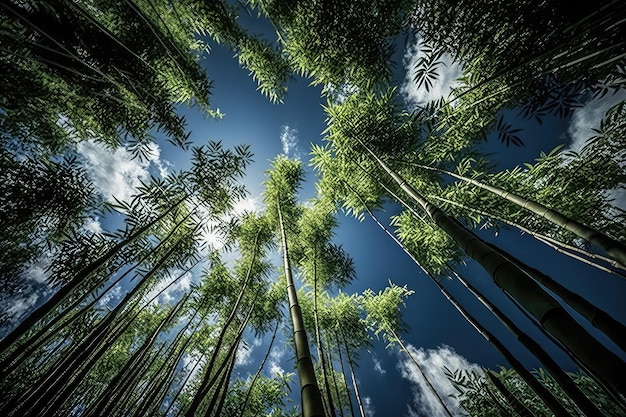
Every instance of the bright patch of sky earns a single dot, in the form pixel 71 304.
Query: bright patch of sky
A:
pixel 35 289
pixel 192 364
pixel 584 121
pixel 177 281
pixel 248 205
pixel 19 305
pixel 447 74
pixel 290 142
pixel 378 366
pixel 432 362
pixel 110 296
pixel 37 271
pixel 368 407
pixel 243 356
pixel 276 357
pixel 92 226
pixel 587 118
pixel 114 172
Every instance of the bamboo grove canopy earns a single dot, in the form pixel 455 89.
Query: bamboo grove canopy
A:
pixel 119 333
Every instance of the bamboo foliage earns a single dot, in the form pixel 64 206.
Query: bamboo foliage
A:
pixel 145 320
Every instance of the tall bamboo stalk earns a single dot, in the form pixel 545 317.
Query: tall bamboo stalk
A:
pixel 509 277
pixel 78 279
pixel 561 247
pixel 242 409
pixel 19 355
pixel 419 368
pixel 515 404
pixel 530 344
pixel 343 374
pixel 564 381
pixel 541 391
pixel 357 394
pixel 320 348
pixel 611 246
pixel 310 393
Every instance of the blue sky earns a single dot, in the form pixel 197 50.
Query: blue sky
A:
pixel 438 334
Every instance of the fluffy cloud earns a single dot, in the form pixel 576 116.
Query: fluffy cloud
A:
pixel 92 226
pixel 170 286
pixel 247 205
pixel 16 307
pixel 368 408
pixel 447 74
pixel 581 126
pixel 588 117
pixel 276 357
pixel 432 362
pixel 110 296
pixel 378 366
pixel 114 172
pixel 243 356
pixel 289 140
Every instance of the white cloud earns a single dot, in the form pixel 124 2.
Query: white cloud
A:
pixel 581 126
pixel 447 74
pixel 276 357
pixel 588 117
pixel 20 305
pixel 92 226
pixel 432 362
pixel 110 296
pixel 378 366
pixel 368 407
pixel 114 172
pixel 182 284
pixel 289 140
pixel 243 355
pixel 247 205
pixel 37 270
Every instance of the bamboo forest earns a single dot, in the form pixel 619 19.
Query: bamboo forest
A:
pixel 318 208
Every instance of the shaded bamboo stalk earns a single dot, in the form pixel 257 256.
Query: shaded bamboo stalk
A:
pixel 310 393
pixel 419 368
pixel 332 371
pixel 541 391
pixel 600 319
pixel 561 247
pixel 242 410
pixel 353 377
pixel 54 301
pixel 510 278
pixel 564 381
pixel 601 382
pixel 18 355
pixel 611 246
pixel 343 374
pixel 81 358
pixel 511 399
pixel 320 348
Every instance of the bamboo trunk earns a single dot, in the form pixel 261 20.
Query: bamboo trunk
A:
pixel 541 391
pixel 611 246
pixel 68 288
pixel 320 348
pixel 509 277
pixel 357 394
pixel 564 381
pixel 515 404
pixel 419 368
pixel 242 410
pixel 311 397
